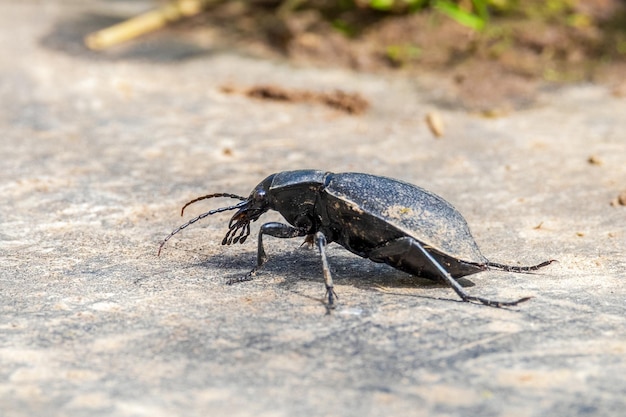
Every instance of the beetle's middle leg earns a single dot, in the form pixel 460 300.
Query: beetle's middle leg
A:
pixel 273 229
pixel 402 251
pixel 320 241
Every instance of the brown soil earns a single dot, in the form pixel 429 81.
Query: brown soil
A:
pixel 498 69
pixel 351 103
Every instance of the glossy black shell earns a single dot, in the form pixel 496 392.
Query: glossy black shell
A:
pixel 364 212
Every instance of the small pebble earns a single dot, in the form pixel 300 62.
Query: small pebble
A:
pixel 435 124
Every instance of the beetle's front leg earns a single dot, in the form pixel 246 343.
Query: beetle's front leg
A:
pixel 275 229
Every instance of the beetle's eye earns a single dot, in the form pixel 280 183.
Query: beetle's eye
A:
pixel 259 195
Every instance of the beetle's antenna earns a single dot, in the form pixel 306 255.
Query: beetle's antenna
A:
pixel 200 217
pixel 212 196
pixel 521 269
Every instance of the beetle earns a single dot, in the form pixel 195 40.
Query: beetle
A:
pixel 378 218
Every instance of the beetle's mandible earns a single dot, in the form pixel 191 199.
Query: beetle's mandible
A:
pixel 379 218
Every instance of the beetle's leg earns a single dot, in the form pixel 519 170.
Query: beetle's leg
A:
pixel 274 229
pixel 521 269
pixel 399 250
pixel 320 240
pixel 309 240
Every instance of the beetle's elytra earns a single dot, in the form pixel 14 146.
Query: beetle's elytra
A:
pixel 379 218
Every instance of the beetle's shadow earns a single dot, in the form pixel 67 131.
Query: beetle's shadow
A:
pixel 305 265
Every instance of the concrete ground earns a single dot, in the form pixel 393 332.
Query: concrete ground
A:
pixel 100 151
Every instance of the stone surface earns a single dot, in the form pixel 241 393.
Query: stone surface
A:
pixel 99 152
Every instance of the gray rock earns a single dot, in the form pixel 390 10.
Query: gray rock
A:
pixel 99 152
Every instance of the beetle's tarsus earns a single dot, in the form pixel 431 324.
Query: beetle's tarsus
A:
pixel 249 277
pixel 494 303
pixel 519 269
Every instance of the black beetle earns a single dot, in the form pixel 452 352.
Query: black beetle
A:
pixel 379 218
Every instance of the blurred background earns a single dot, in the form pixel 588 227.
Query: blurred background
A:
pixel 516 44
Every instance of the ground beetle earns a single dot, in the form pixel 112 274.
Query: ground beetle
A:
pixel 379 218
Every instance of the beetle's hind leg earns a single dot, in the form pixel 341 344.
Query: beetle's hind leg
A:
pixel 274 229
pixel 404 249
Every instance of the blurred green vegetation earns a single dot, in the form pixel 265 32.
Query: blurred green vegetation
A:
pixel 474 14
pixel 595 30
pixel 559 40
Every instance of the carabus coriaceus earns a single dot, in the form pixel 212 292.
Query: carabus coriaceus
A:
pixel 379 218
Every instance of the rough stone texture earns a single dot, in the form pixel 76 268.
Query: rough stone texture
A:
pixel 100 151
